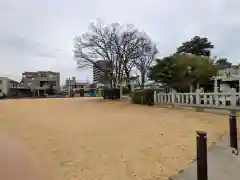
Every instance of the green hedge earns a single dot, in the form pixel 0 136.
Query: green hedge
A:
pixel 90 91
pixel 145 97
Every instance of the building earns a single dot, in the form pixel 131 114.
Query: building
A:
pixel 98 74
pixel 227 80
pixel 80 85
pixel 40 81
pixel 6 85
pixel 68 86
pixel 73 87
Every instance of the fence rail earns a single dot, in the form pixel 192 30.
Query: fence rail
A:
pixel 224 100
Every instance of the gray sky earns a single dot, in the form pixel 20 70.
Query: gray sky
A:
pixel 38 34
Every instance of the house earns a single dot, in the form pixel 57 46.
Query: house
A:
pixel 6 84
pixel 80 85
pixel 227 80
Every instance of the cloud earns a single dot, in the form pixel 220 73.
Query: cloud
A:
pixel 38 35
pixel 24 46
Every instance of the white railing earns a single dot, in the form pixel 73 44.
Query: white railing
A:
pixel 202 99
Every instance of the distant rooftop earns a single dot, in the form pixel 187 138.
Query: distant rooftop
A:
pixel 13 81
pixel 34 72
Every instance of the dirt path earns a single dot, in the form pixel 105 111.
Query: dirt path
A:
pixel 92 139
pixel 16 161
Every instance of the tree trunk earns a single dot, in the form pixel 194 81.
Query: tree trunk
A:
pixel 127 79
pixel 142 78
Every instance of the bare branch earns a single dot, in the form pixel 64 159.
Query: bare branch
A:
pixel 144 62
pixel 122 46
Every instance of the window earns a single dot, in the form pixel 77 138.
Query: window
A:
pixel 54 83
pixel 42 83
pixel 0 81
pixel 1 91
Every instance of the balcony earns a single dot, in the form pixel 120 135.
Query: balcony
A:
pixel 50 78
pixel 44 87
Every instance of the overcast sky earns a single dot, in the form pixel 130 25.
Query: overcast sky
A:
pixel 38 34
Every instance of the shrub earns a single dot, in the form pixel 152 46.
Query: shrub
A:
pixel 90 91
pixel 145 97
pixel 126 90
pixel 113 93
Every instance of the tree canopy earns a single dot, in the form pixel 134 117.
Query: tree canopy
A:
pixel 182 70
pixel 197 45
pixel 189 66
pixel 222 63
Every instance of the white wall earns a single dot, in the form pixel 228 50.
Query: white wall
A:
pixel 4 85
pixel 225 88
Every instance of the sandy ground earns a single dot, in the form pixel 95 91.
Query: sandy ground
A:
pixel 106 140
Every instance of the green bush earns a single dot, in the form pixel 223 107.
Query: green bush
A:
pixel 126 90
pixel 90 91
pixel 145 97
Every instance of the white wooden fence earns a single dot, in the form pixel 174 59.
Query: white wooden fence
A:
pixel 198 99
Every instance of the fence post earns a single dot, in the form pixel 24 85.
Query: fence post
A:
pixel 198 101
pixel 233 99
pixel 173 99
pixel 216 99
pixel 191 99
pixel 233 131
pixel 202 173
pixel 198 96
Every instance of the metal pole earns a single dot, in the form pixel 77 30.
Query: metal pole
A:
pixel 202 173
pixel 233 132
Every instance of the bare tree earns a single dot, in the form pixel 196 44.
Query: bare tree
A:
pixel 93 46
pixel 130 45
pixel 120 45
pixel 144 62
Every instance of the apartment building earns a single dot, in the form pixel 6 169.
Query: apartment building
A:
pixel 6 84
pixel 40 81
pixel 98 74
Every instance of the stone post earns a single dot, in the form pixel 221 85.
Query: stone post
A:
pixel 198 101
pixel 191 88
pixel 233 97
pixel 173 97
pixel 121 89
pixel 198 96
pixel 215 85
